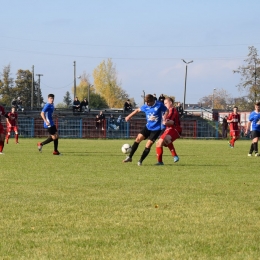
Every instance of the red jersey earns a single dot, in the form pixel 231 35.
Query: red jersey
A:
pixel 2 112
pixel 236 119
pixel 174 116
pixel 12 118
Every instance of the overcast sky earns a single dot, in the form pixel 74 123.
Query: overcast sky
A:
pixel 146 40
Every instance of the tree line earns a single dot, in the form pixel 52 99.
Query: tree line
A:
pixel 249 84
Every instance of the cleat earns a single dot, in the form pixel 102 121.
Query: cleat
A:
pixel 249 154
pixel 257 154
pixel 1 153
pixel 176 158
pixel 6 142
pixel 39 147
pixel 159 163
pixel 139 163
pixel 17 142
pixel 56 153
pixel 127 159
pixel 230 145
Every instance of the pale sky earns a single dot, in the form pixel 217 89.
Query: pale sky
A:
pixel 146 40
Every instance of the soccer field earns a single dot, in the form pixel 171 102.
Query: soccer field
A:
pixel 87 204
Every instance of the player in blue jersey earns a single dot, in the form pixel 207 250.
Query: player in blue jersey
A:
pixel 154 111
pixel 253 125
pixel 48 124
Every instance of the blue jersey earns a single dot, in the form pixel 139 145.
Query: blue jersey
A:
pixel 254 118
pixel 154 115
pixel 48 111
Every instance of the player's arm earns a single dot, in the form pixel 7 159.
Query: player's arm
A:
pixel 44 118
pixel 248 127
pixel 136 111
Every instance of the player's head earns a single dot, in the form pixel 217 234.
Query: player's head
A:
pixel 149 99
pixel 168 102
pixel 235 108
pixel 51 98
pixel 257 106
pixel 13 108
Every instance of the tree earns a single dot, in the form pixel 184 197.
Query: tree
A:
pixel 107 85
pixel 221 99
pixel 97 101
pixel 250 80
pixel 67 99
pixel 6 87
pixel 23 88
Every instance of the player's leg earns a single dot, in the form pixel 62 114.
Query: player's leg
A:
pixel 8 134
pixel 159 150
pixel 16 135
pixel 2 138
pixel 140 137
pixel 231 142
pixel 151 139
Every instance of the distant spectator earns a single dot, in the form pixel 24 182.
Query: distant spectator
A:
pixel 154 96
pixel 97 120
pixel 128 106
pixel 19 104
pixel 84 105
pixel 180 109
pixel 224 127
pixel 112 123
pixel 102 119
pixel 161 98
pixel 14 103
pixel 76 104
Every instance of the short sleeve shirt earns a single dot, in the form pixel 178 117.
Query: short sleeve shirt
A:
pixel 154 115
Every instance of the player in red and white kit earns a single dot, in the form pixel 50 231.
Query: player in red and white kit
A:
pixel 234 122
pixel 171 133
pixel 2 130
pixel 12 125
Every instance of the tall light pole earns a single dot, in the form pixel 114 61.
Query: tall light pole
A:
pixel 213 98
pixel 32 89
pixel 74 79
pixel 143 96
pixel 184 98
pixel 38 89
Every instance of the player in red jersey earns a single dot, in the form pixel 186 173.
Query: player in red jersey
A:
pixel 12 125
pixel 234 121
pixel 2 131
pixel 171 133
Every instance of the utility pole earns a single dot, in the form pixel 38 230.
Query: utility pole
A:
pixel 38 89
pixel 32 90
pixel 74 79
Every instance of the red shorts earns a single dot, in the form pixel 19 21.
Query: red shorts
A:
pixel 172 132
pixel 2 131
pixel 235 133
pixel 12 128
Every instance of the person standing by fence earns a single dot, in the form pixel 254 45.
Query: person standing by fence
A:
pixel 2 130
pixel 224 127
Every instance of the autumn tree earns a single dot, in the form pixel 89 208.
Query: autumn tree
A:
pixel 6 87
pixel 250 76
pixel 107 85
pixel 219 99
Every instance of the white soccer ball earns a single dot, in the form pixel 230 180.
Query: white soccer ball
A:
pixel 126 148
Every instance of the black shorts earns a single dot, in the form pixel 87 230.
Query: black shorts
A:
pixel 52 130
pixel 255 134
pixel 151 135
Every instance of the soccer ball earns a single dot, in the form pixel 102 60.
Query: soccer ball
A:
pixel 126 148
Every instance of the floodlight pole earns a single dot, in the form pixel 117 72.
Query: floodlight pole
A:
pixel 184 98
pixel 74 79
pixel 38 90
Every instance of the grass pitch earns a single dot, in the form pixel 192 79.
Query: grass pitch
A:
pixel 87 204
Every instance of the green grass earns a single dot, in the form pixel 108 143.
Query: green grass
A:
pixel 87 204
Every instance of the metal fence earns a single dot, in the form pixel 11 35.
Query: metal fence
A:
pixel 73 127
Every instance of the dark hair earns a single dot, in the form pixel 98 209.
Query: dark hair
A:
pixel 51 95
pixel 149 98
pixel 257 104
pixel 235 107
